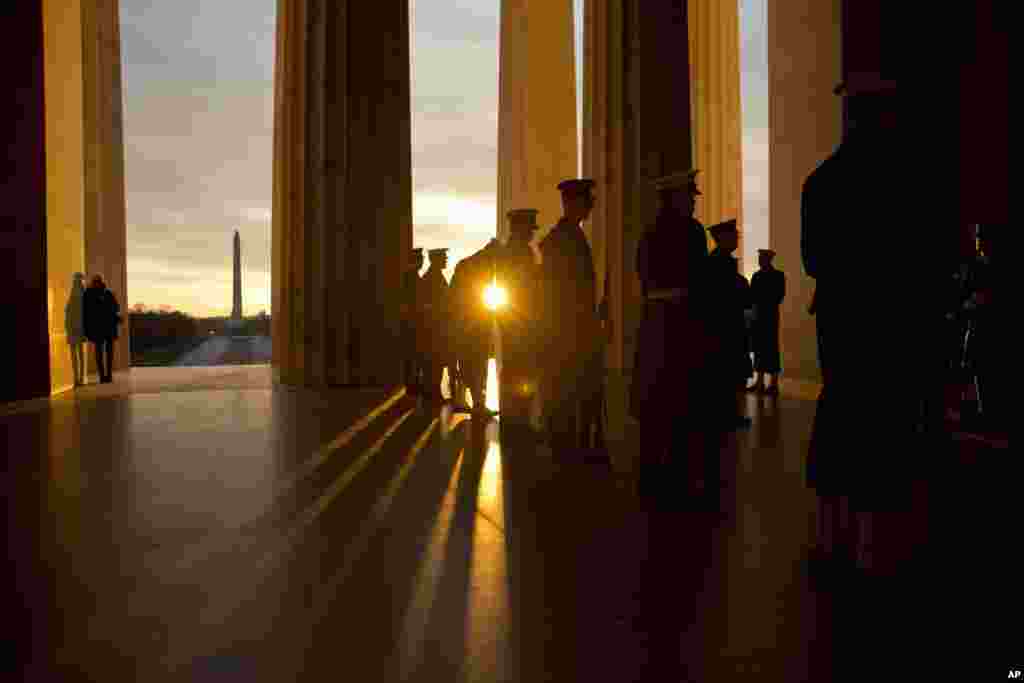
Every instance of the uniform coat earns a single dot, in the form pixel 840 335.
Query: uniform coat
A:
pixel 728 299
pixel 410 326
pixel 471 321
pixel 432 300
pixel 518 323
pixel 767 289
pixel 869 322
pixel 572 329
pixel 672 340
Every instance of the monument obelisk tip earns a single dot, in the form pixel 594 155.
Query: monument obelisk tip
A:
pixel 236 300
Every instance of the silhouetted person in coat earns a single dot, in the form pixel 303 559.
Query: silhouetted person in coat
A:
pixel 570 313
pixel 518 320
pixel 728 297
pixel 412 361
pixel 767 289
pixel 666 392
pixel 434 302
pixel 993 351
pixel 101 315
pixel 472 325
pixel 74 327
pixel 869 322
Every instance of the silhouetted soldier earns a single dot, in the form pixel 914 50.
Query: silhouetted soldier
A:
pixel 101 316
pixel 992 347
pixel 472 324
pixel 869 325
pixel 436 347
pixel 572 327
pixel 412 362
pixel 518 321
pixel 767 289
pixel 665 392
pixel 728 296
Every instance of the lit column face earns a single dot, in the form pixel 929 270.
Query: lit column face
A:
pixel 755 133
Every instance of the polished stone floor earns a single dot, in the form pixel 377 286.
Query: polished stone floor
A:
pixel 214 526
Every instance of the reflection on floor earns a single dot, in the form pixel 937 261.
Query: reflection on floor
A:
pixel 262 533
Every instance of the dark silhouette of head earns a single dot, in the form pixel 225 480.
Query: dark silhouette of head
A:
pixel 577 199
pixel 522 224
pixel 726 235
pixel 677 193
pixel 871 106
pixel 988 236
pixel 765 257
pixel 416 260
pixel 439 258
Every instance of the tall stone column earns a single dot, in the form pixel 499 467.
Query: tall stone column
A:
pixel 342 201
pixel 536 108
pixel 636 128
pixel 805 122
pixel 24 291
pixel 104 219
pixel 715 106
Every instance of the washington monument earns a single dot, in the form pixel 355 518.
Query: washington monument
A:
pixel 236 306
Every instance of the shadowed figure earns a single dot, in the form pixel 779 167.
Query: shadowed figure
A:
pixel 412 361
pixel 869 325
pixel 665 393
pixel 74 327
pixel 102 315
pixel 571 325
pixel 993 351
pixel 768 289
pixel 729 353
pixel 518 322
pixel 433 301
pixel 471 324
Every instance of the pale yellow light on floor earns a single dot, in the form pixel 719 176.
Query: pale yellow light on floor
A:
pixel 489 492
pixel 492 384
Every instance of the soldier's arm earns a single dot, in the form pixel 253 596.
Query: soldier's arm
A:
pixel 782 286
pixel 808 224
pixel 643 261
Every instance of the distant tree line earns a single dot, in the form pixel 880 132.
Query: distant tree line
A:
pixel 155 329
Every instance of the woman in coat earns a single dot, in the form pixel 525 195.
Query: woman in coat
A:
pixel 74 328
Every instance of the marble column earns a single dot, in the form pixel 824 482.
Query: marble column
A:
pixel 536 109
pixel 805 127
pixel 23 212
pixel 636 128
pixel 104 214
pixel 85 195
pixel 715 111
pixel 342 198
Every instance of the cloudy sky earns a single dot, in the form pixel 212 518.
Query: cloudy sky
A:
pixel 198 137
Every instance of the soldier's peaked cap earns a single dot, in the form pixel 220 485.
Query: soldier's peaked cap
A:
pixel 864 83
pixel 766 252
pixel 576 186
pixel 522 215
pixel 723 228
pixel 438 252
pixel 678 181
